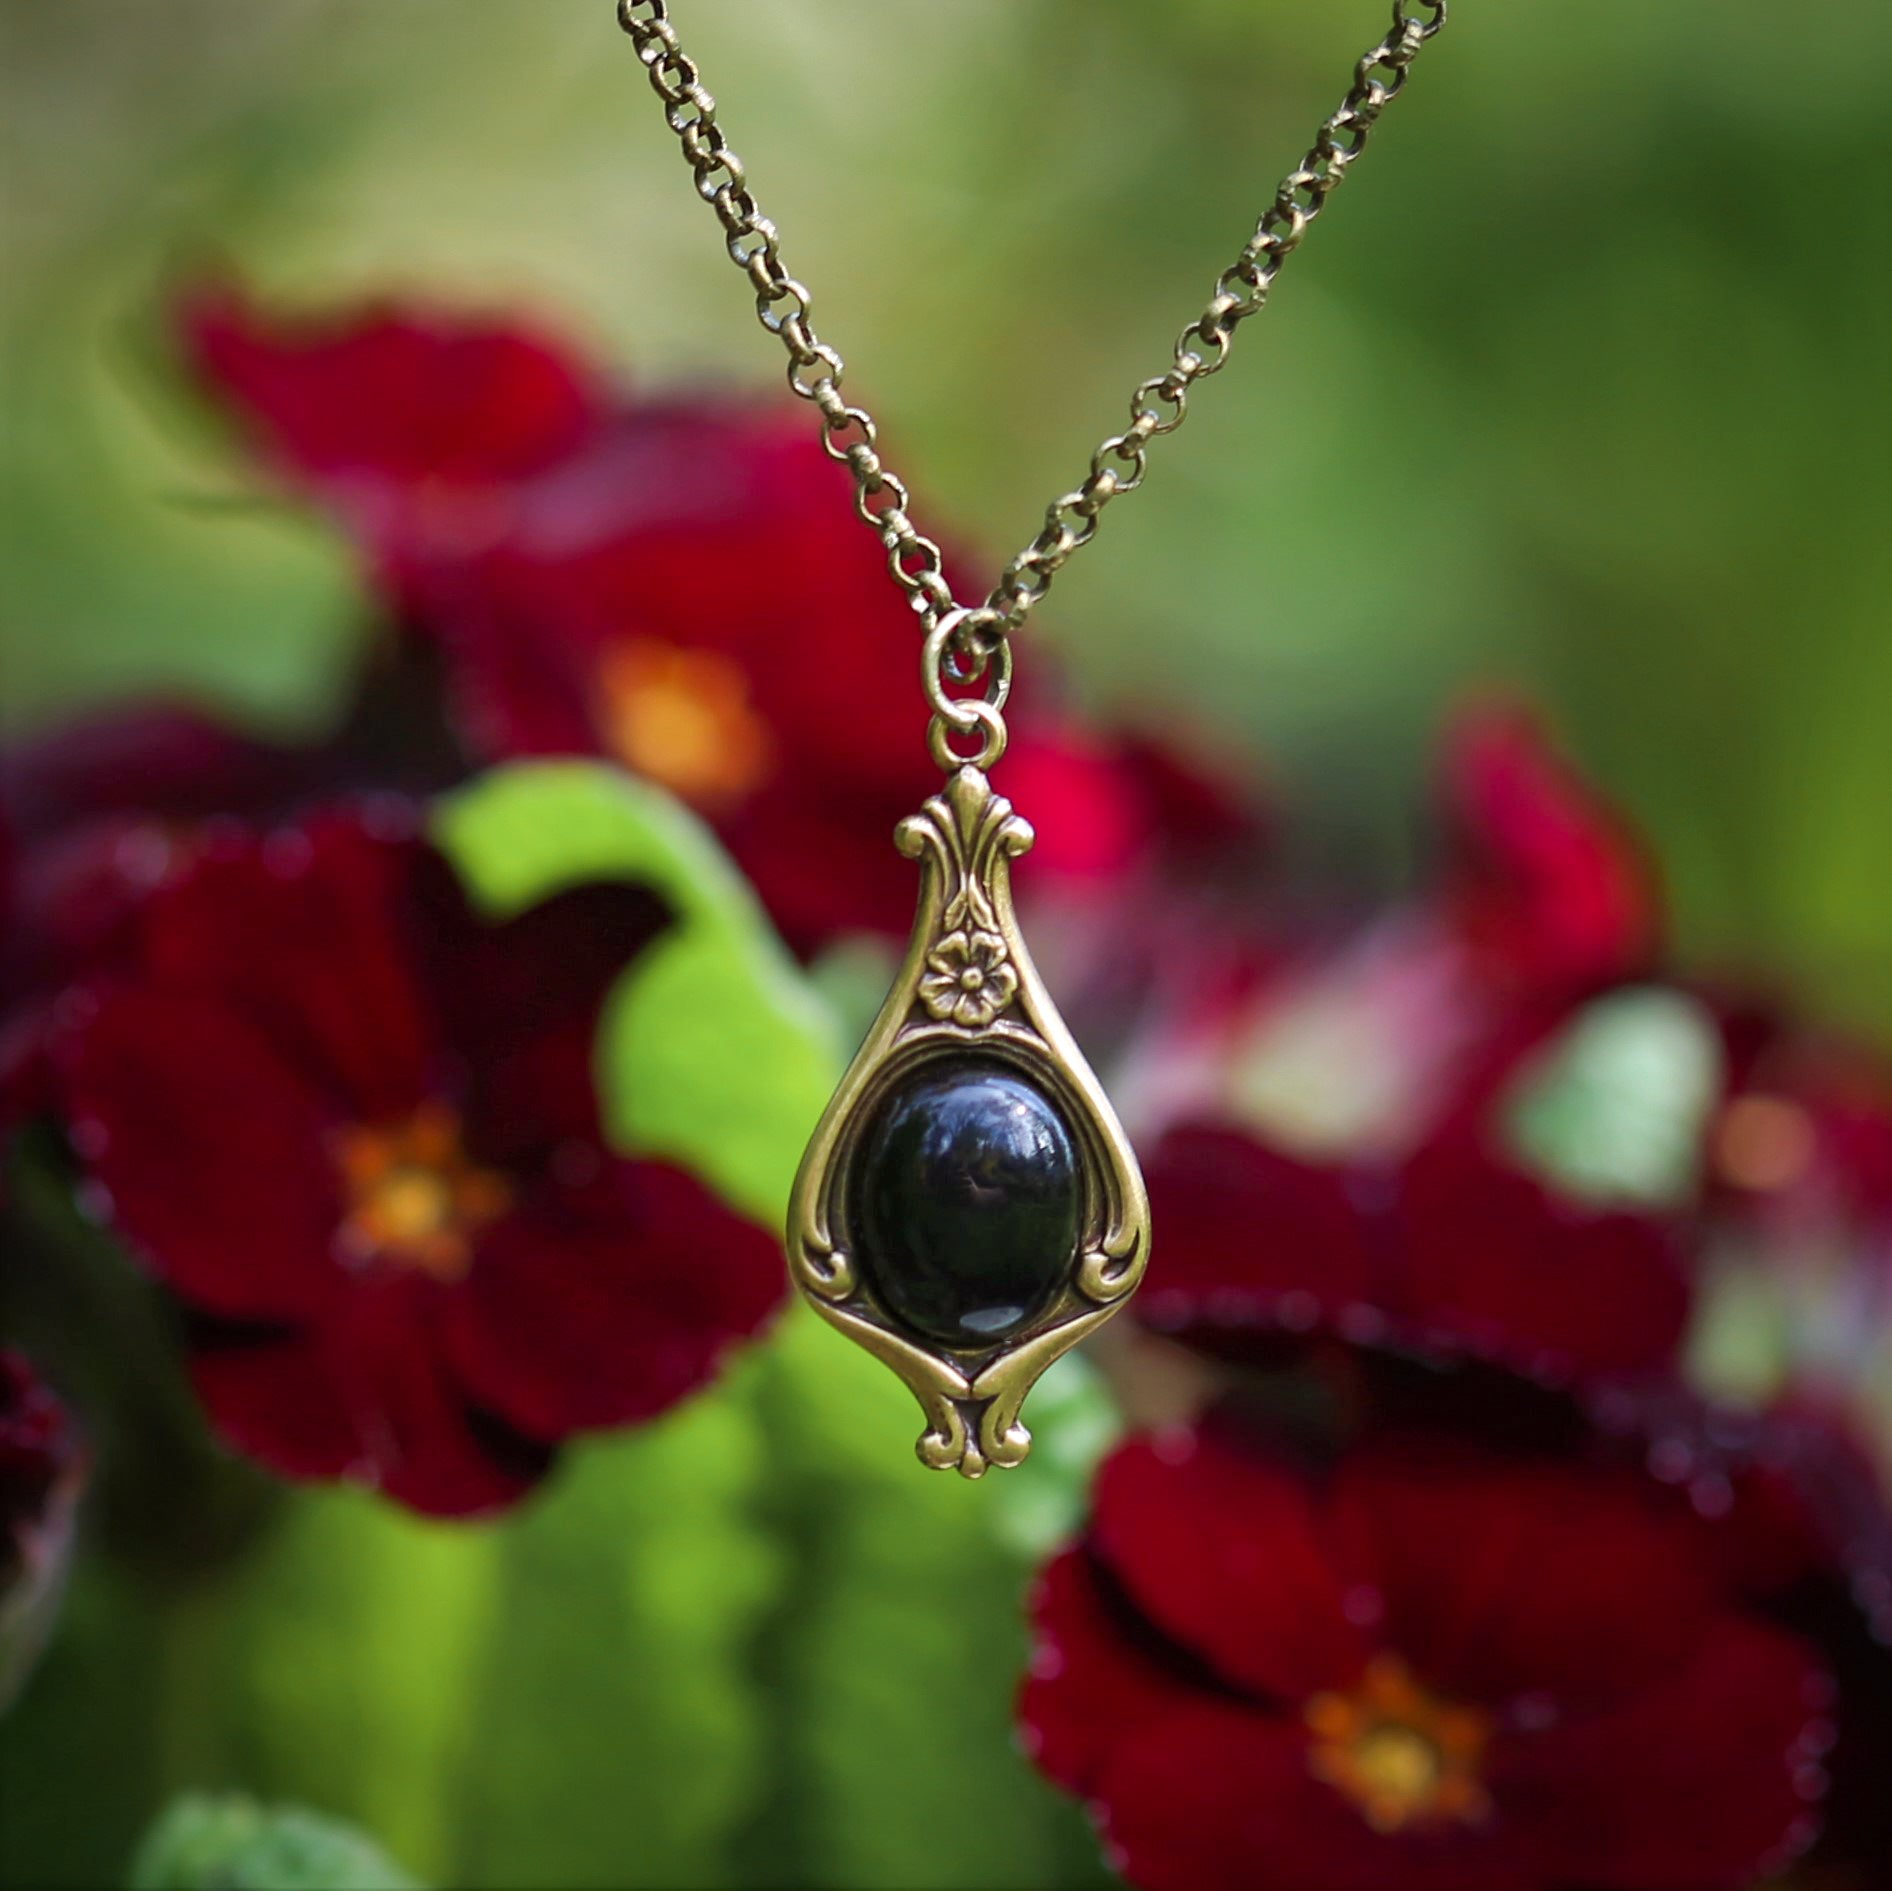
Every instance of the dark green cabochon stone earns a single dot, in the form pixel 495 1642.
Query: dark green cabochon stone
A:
pixel 965 1203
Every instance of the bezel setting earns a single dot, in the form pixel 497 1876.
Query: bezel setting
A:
pixel 965 839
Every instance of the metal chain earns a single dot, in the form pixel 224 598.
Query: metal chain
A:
pixel 960 640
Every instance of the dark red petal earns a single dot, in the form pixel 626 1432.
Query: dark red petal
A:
pixel 1087 1680
pixel 1081 800
pixel 1496 1261
pixel 405 394
pixel 518 685
pixel 1501 1580
pixel 605 1304
pixel 519 1001
pixel 1249 1236
pixel 26 1080
pixel 96 813
pixel 1793 1487
pixel 156 760
pixel 92 815
pixel 820 866
pixel 74 901
pixel 272 1395
pixel 1214 1796
pixel 525 1100
pixel 1542 879
pixel 1211 1795
pixel 496 982
pixel 1197 802
pixel 1221 1548
pixel 304 930
pixel 366 1395
pixel 212 1146
pixel 1703 1784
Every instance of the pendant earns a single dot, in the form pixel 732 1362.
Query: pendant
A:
pixel 969 1207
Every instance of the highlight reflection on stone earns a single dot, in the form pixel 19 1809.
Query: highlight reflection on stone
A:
pixel 967 1202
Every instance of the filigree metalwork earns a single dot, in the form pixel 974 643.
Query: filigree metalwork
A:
pixel 965 839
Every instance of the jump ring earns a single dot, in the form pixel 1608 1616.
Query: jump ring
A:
pixel 982 717
pixel 960 713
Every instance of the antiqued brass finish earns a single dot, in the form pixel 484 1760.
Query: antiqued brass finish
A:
pixel 967 987
pixel 965 839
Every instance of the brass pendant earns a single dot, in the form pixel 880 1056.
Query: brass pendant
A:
pixel 969 1207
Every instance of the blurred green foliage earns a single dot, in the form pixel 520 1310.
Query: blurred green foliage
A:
pixel 233 1844
pixel 1614 1109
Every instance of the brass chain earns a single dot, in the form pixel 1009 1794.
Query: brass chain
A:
pixel 961 641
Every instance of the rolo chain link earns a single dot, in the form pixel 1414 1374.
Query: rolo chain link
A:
pixel 964 645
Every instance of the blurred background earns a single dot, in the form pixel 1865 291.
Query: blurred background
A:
pixel 1580 387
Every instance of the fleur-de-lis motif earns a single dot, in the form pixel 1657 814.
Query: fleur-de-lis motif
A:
pixel 969 978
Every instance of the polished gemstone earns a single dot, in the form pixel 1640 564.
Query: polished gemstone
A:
pixel 965 1201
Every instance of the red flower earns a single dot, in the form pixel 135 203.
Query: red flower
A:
pixel 1450 1250
pixel 352 1127
pixel 92 811
pixel 680 586
pixel 42 1467
pixel 1321 1136
pixel 96 812
pixel 1364 1042
pixel 91 817
pixel 1543 881
pixel 413 425
pixel 729 630
pixel 1436 1671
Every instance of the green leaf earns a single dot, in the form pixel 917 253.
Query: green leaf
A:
pixel 231 1843
pixel 617 1719
pixel 1740 1339
pixel 563 1697
pixel 1074 1422
pixel 338 1666
pixel 714 1054
pixel 893 1667
pixel 1613 1110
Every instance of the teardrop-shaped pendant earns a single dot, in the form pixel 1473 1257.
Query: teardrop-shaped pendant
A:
pixel 969 1207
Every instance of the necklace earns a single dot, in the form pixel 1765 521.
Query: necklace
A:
pixel 969 1207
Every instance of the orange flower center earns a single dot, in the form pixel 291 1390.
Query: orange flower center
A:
pixel 414 1196
pixel 683 718
pixel 1402 1755
pixel 1764 1142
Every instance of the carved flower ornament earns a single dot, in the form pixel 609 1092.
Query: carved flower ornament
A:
pixel 968 978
